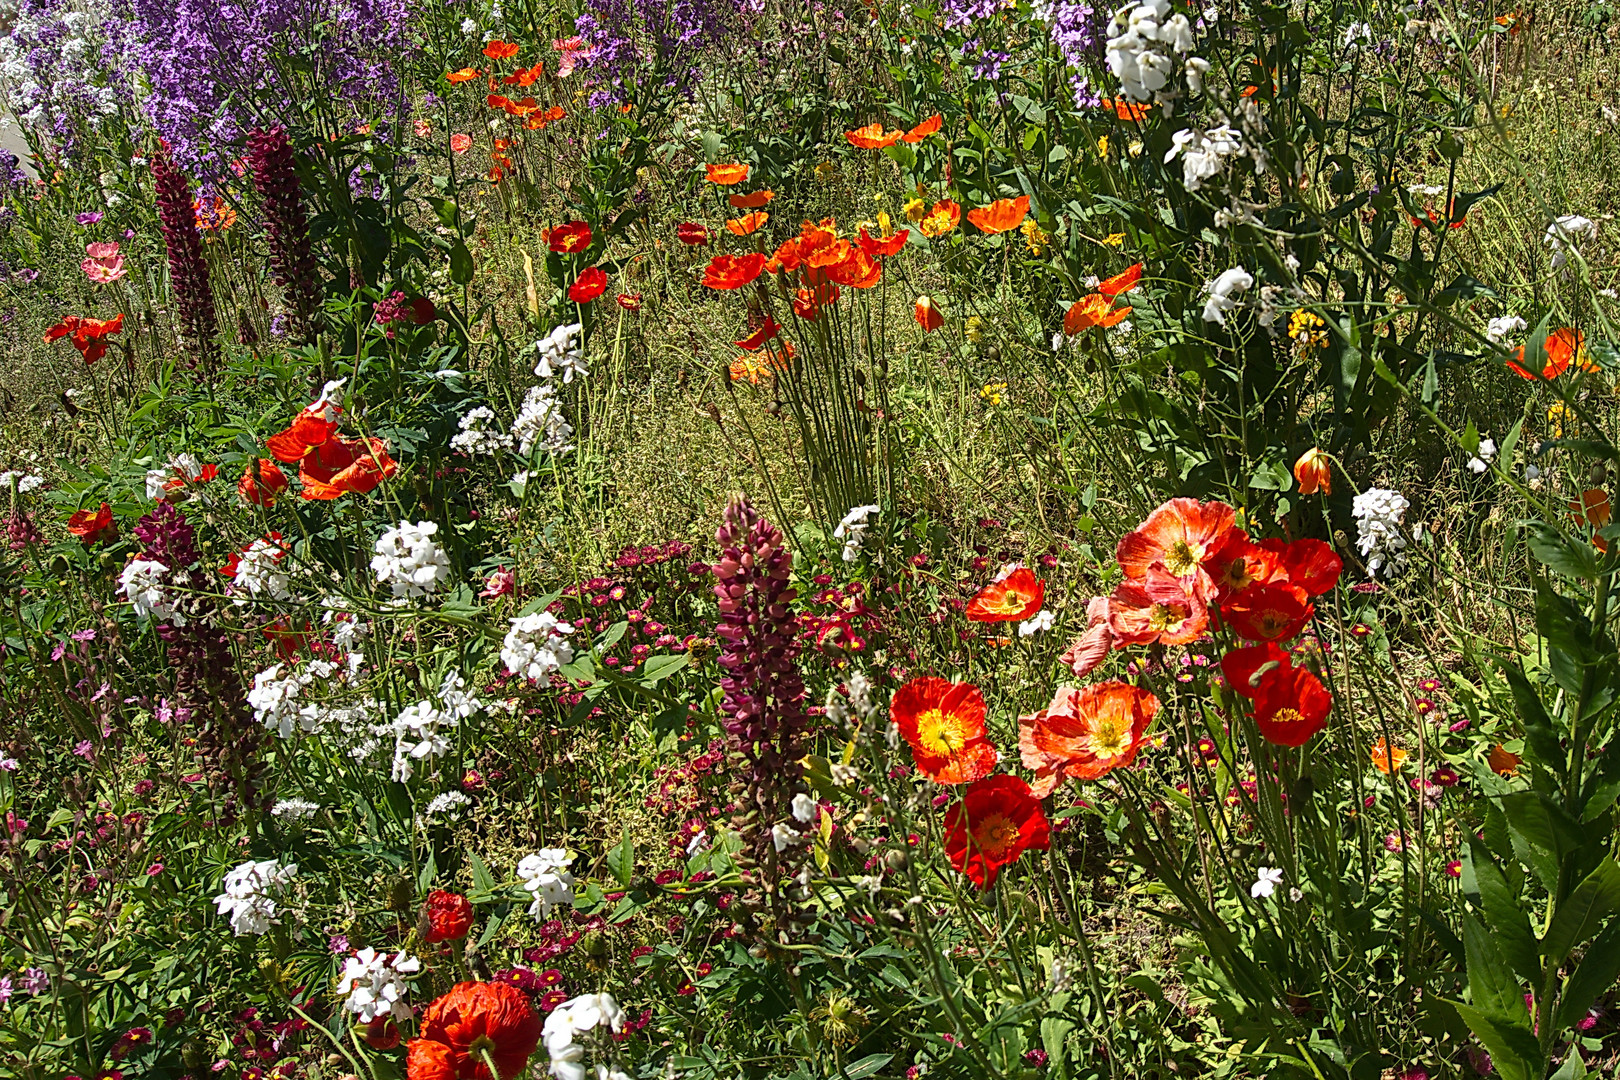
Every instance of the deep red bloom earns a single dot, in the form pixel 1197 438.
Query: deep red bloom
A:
pixel 571 239
pixel 1245 668
pixel 733 271
pixel 382 1033
pixel 472 1019
pixel 1307 564
pixel 997 820
pixel 944 724
pixel 690 232
pixel 342 466
pixel 448 916
pixel 422 311
pixel 1271 612
pixel 591 284
pixel 1291 706
pixel 88 335
pixel 92 527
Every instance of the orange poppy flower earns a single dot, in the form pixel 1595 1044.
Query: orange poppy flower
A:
pixel 858 270
pixel 751 201
pixel 460 143
pixel 1122 282
pixel 525 76
pixel 500 50
pixel 998 819
pixel 1092 311
pixel 1563 347
pixel 473 1020
pixel 1238 563
pixel 93 526
pixel 808 302
pixel 1268 612
pixel 1160 606
pixel 1181 534
pixel 690 232
pixel 872 136
pixel 1504 762
pixel 923 130
pixel 464 75
pixel 1592 508
pixel 1387 759
pixel 261 483
pixel 1314 471
pixel 591 284
pixel 1084 734
pixel 748 223
pixel 1307 564
pixel 1127 110
pixel 1014 598
pixel 755 367
pixel 570 238
pixel 86 334
pixel 927 315
pixel 342 466
pixel 944 724
pixel 498 101
pixel 944 217
pixel 1087 652
pixel 882 249
pixel 312 427
pixel 733 271
pixel 769 329
pixel 1003 215
pixel 726 175
pixel 1291 706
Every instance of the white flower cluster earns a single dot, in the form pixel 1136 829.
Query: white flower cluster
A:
pixel 852 530
pixel 275 697
pixel 1224 293
pixel 1204 154
pixel 25 482
pixel 545 874
pixel 1500 327
pixel 261 571
pixel 1481 460
pixel 1378 513
pixel 250 894
pixel 375 985
pixel 478 437
pixel 448 805
pixel 1141 52
pixel 784 834
pixel 294 810
pixel 420 729
pixel 575 1017
pixel 1041 621
pixel 561 353
pixel 1566 230
pixel 141 582
pixel 536 645
pixel 409 562
pixel 347 627
pixel 540 422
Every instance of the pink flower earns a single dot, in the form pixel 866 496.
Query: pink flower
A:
pixel 500 583
pixel 423 128
pixel 460 143
pixel 573 50
pixel 104 264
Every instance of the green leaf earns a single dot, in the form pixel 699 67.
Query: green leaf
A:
pixel 1593 977
pixel 621 861
pixel 657 668
pixel 1464 287
pixel 1561 553
pixel 1506 919
pixel 867 1066
pixel 483 880
pixel 1579 917
pixel 1513 1048
pixel 461 264
pixel 1495 992
pixel 1541 835
pixel 1541 740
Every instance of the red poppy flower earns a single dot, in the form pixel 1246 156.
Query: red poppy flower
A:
pixel 1016 597
pixel 808 302
pixel 262 484
pixel 1003 215
pixel 525 76
pixel 923 130
pixel 882 249
pixel 748 223
pixel 944 724
pixel 314 425
pixel 460 143
pixel 1085 734
pixel 464 75
pixel 753 200
pixel 1245 668
pixel 725 175
pixel 448 916
pixel 591 284
pixel 498 101
pixel 1122 282
pixel 87 335
pixel 500 50
pixel 928 316
pixel 181 479
pixel 1093 310
pixel 1126 110
pixel 1563 346
pixel 733 271
pixel 1291 705
pixel 1159 607
pixel 1238 563
pixel 872 136
pixel 1181 534
pixel 570 239
pixel 342 466
pixel 421 311
pixel 381 1033
pixel 1268 612
pixel 769 329
pixel 1306 563
pixel 471 1021
pixel 629 301
pixel 690 232
pixel 857 269
pixel 998 819
pixel 93 526
pixel 234 563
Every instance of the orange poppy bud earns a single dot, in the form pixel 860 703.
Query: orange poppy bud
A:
pixel 1314 471
pixel 928 316
pixel 1503 761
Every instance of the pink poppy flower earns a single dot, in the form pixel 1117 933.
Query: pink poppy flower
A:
pixel 573 50
pixel 103 263
pixel 460 143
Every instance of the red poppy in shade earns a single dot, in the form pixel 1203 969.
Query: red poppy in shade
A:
pixel 473 1021
pixel 289 641
pixel 1314 471
pixel 381 1033
pixel 591 284
pixel 421 311
pixel 570 239
pixel 464 75
pixel 923 130
pixel 500 50
pixel 1093 310
pixel 1087 652
pixel 1245 668
pixel 928 316
pixel 752 200
pixel 998 819
pixel 1159 607
pixel 725 175
pixel 87 335
pixel 1291 705
pixel 690 232
pixel 629 301
pixel 1563 346
pixel 1306 563
pixel 342 466
pixel 1013 598
pixel 1003 215
pixel 1181 534
pixel 1085 733
pixel 262 484
pixel 447 915
pixel 1122 282
pixel 873 137
pixel 1268 612
pixel 882 249
pixel 93 526
pixel 733 271
pixel 748 223
pixel 944 724
pixel 769 329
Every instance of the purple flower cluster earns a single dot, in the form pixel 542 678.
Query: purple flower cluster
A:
pixel 58 79
pixel 643 44
pixel 188 273
pixel 1080 32
pixel 270 159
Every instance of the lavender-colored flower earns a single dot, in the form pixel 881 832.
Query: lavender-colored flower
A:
pixel 652 43
pixel 270 158
pixel 188 273
pixel 1080 32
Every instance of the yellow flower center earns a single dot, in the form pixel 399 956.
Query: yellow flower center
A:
pixel 995 836
pixel 938 735
pixel 1287 716
pixel 1162 617
pixel 1181 558
pixel 1109 739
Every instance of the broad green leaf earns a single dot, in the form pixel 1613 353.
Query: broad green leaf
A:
pixel 1593 977
pixel 1506 919
pixel 1579 917
pixel 867 1066
pixel 1540 836
pixel 1495 991
pixel 1539 735
pixel 461 264
pixel 483 880
pixel 621 861
pixel 1512 1047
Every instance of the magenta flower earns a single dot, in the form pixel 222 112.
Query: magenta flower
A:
pixel 500 583
pixel 154 870
pixel 89 217
pixel 103 264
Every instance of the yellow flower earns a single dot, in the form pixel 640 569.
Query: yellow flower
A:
pixel 975 329
pixel 1555 419
pixel 992 392
pixel 1102 146
pixel 884 225
pixel 1308 330
pixel 915 210
pixel 826 170
pixel 1115 240
pixel 1034 236
pixel 1135 148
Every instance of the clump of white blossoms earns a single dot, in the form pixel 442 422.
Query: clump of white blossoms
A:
pixel 1041 621
pixel 1142 51
pixel 375 985
pixel 1500 327
pixel 1204 154
pixel 449 805
pixel 294 810
pixel 560 353
pixel 409 562
pixel 540 422
pixel 571 1019
pixel 545 874
pixel 1564 232
pixel 142 585
pixel 1482 459
pixel 1224 293
pixel 25 482
pixel 1378 513
pixel 250 895
pixel 420 729
pixel 477 436
pixel 852 530
pixel 261 571
pixel 276 697
pixel 536 645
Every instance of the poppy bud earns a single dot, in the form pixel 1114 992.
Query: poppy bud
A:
pixel 928 316
pixel 1314 471
pixel 1597 476
pixel 382 1033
